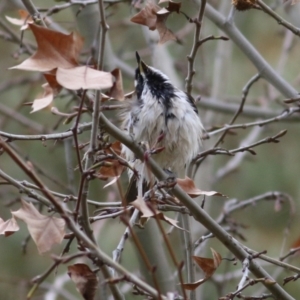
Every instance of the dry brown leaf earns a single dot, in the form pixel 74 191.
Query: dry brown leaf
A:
pixel 165 34
pixel 170 221
pixel 116 169
pixel 147 16
pixel 217 257
pixel 51 79
pixel 85 280
pixel 116 90
pixel 83 78
pixel 55 49
pixel 192 286
pixel 9 226
pixel 208 266
pixel 296 244
pixel 155 17
pixel 44 230
pixel 114 180
pixel 23 21
pixel 141 205
pixel 147 213
pixel 189 187
pixel 174 6
pixel 243 4
pixel 51 89
pixel 163 12
pixel 45 100
pixel 104 97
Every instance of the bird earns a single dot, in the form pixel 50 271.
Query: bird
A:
pixel 160 116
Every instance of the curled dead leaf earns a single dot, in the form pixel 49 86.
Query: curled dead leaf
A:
pixel 116 91
pixel 148 212
pixel 51 89
pixel 163 12
pixel 9 226
pixel 208 266
pixel 115 168
pixel 141 205
pixel 114 180
pixel 165 34
pixel 83 78
pixel 295 245
pixel 174 6
pixel 44 230
pixel 54 49
pixel 243 4
pixel 45 100
pixel 192 286
pixel 147 16
pixel 85 280
pixel 23 21
pixel 51 79
pixel 154 17
pixel 189 187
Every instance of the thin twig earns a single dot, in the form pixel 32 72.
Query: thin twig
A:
pixel 35 14
pixel 30 172
pixel 23 189
pixel 217 151
pixel 196 43
pixel 24 183
pixel 19 118
pixel 58 8
pixel 285 114
pixel 46 137
pixel 241 107
pixel 264 69
pixel 291 252
pixel 232 206
pixel 278 18
pixel 16 38
pixel 188 245
pixel 249 111
pixel 75 131
pixel 120 247
pixel 273 260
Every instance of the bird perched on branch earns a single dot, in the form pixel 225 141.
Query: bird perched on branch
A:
pixel 161 117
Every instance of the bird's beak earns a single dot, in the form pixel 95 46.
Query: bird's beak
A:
pixel 142 66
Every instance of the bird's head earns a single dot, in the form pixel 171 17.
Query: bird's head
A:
pixel 149 78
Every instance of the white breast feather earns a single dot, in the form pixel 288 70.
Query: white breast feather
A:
pixel 182 134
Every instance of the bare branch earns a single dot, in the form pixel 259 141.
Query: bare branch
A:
pixel 191 57
pixel 285 114
pixel 264 69
pixel 279 19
